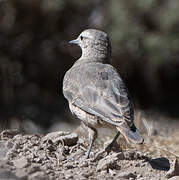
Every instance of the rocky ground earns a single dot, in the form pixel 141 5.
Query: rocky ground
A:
pixel 60 155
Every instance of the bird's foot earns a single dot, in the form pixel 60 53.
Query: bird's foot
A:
pixel 109 146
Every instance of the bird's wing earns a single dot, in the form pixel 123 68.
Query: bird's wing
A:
pixel 103 94
pixel 100 91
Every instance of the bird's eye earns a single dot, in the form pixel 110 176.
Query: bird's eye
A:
pixel 81 37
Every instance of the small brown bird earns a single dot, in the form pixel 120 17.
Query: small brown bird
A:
pixel 95 91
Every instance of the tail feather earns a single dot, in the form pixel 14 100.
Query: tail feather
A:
pixel 131 136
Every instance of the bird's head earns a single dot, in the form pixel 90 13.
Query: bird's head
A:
pixel 94 44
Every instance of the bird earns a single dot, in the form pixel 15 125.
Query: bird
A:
pixel 95 91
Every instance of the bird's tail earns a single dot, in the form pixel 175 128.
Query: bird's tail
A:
pixel 132 135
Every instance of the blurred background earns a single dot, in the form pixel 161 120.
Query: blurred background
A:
pixel 35 54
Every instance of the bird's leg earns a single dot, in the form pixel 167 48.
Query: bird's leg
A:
pixel 107 148
pixel 113 141
pixel 92 136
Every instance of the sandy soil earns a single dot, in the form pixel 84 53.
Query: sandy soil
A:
pixel 60 155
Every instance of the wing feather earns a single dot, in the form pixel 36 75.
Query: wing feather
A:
pixel 100 91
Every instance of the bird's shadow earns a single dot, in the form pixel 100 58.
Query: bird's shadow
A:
pixel 160 163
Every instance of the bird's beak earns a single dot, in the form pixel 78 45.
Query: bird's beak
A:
pixel 76 41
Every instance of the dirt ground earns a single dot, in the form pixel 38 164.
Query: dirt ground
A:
pixel 60 155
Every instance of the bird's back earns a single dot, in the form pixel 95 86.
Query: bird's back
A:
pixel 98 89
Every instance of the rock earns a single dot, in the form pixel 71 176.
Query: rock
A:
pixel 111 172
pixel 69 165
pixel 21 174
pixel 6 172
pixel 126 175
pixel 21 162
pixel 16 146
pixel 84 164
pixel 9 143
pixel 79 177
pixel 174 178
pixel 33 168
pixel 36 157
pixel 41 154
pixel 8 134
pixel 11 153
pixel 108 162
pixel 3 150
pixel 100 155
pixel 66 138
pixel 129 154
pixel 68 174
pixel 174 169
pixel 86 173
pixel 120 156
pixel 59 155
pixel 102 175
pixel 39 175
pixel 134 155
